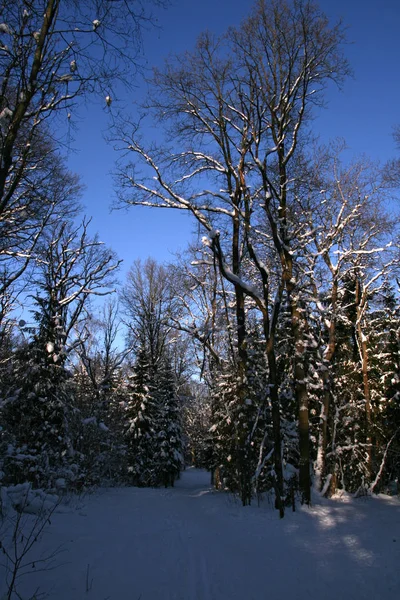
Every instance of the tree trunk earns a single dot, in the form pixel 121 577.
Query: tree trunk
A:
pixel 363 351
pixel 320 470
pixel 276 428
pixel 244 449
pixel 301 393
pixel 367 398
pixel 326 402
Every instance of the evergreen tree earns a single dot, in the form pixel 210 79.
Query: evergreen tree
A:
pixel 170 445
pixel 384 323
pixel 347 457
pixel 143 414
pixel 241 427
pixel 37 410
pixel 196 423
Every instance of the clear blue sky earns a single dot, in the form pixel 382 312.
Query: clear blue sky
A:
pixel 364 113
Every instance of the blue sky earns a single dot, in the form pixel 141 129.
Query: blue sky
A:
pixel 364 113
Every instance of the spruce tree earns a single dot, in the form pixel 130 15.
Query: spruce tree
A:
pixel 37 409
pixel 170 445
pixel 143 413
pixel 385 383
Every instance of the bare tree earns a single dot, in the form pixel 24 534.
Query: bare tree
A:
pixel 236 112
pixel 47 194
pixel 73 267
pixel 53 54
pixel 98 351
pixel 352 235
pixel 202 309
pixel 146 299
pixel 22 525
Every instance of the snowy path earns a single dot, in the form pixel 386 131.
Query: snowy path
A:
pixel 190 543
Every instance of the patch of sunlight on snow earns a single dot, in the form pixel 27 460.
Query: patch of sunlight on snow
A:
pixel 393 500
pixel 331 517
pixel 327 522
pixel 360 554
pixel 200 493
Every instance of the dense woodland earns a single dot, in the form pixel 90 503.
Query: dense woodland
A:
pixel 269 351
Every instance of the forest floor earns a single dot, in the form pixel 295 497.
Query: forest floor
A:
pixel 192 543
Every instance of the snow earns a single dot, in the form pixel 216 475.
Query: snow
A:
pixel 193 543
pixel 22 498
pixel 50 347
pixel 6 113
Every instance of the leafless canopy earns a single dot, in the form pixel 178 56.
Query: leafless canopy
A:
pixel 53 53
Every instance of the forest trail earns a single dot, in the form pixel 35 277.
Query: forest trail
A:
pixel 192 543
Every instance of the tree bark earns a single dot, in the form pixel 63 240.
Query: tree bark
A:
pixel 326 401
pixel 276 428
pixel 363 350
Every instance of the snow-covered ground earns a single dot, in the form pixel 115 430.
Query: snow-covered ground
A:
pixel 192 543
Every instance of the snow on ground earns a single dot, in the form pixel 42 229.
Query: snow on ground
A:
pixel 192 543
